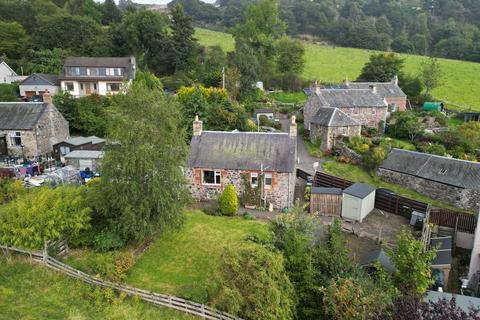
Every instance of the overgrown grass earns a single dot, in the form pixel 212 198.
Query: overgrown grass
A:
pixel 357 174
pixel 30 291
pixel 183 263
pixel 289 97
pixel 332 64
pixel 313 149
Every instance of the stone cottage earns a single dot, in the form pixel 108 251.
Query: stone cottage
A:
pixel 390 91
pixel 328 124
pixel 364 105
pixel 450 180
pixel 30 129
pixel 220 158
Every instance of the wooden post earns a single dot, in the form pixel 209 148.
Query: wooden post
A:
pixel 45 252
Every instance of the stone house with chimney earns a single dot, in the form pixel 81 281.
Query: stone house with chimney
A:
pixel 330 123
pixel 450 180
pixel 365 106
pixel 30 129
pixel 390 91
pixel 219 158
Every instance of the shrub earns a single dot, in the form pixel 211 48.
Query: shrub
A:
pixel 248 216
pixel 123 262
pixel 263 120
pixel 228 201
pixel 360 144
pixel 307 194
pixel 373 158
pixel 212 209
pixel 436 148
pixel 107 240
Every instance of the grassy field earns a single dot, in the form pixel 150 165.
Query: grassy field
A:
pixel 29 291
pixel 184 262
pixel 332 64
pixel 289 97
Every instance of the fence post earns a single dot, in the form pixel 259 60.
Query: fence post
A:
pixel 45 252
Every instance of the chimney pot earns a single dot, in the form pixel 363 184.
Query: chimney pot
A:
pixel 47 98
pixel 197 127
pixel 373 88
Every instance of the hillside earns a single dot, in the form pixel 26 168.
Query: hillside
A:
pixel 331 64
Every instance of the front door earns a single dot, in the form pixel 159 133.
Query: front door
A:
pixel 3 146
pixel 88 89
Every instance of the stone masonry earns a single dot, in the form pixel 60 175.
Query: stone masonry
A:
pixel 329 135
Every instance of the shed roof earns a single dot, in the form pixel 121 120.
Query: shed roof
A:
pixel 256 111
pixel 345 98
pixel 449 171
pixel 322 190
pixel 359 190
pixel 52 79
pixel 384 89
pixel 381 257
pixel 84 154
pixel 20 115
pixel 78 141
pixel 333 117
pixel 243 151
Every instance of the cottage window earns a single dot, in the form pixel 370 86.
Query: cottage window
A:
pixel 69 86
pixel 113 87
pixel 77 71
pixel 64 150
pixel 254 179
pixel 16 138
pixel 268 180
pixel 111 71
pixel 211 177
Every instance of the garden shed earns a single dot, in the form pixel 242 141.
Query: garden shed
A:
pixel 358 201
pixel 326 201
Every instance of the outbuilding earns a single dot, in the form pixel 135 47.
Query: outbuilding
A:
pixel 39 83
pixel 358 201
pixel 82 159
pixel 326 201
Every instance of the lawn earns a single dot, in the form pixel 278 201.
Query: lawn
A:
pixel 31 291
pixel 183 263
pixel 357 174
pixel 289 97
pixel 333 64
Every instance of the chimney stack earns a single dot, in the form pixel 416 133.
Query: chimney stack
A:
pixel 395 80
pixel 197 127
pixel 373 88
pixel 293 127
pixel 47 98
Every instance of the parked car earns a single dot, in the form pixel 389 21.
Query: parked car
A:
pixel 36 98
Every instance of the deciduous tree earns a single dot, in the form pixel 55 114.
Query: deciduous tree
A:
pixel 382 67
pixel 430 74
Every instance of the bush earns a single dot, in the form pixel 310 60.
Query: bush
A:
pixel 307 193
pixel 8 92
pixel 374 158
pixel 212 209
pixel 263 120
pixel 436 148
pixel 360 144
pixel 228 201
pixel 248 216
pixel 107 240
pixel 123 262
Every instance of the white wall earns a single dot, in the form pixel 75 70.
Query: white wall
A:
pixel 52 89
pixel 76 88
pixel 6 74
pixel 351 207
pixel 368 204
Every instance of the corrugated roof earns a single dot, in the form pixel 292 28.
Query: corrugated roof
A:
pixel 77 141
pixel 84 154
pixel 20 115
pixel 333 117
pixel 243 151
pixel 359 190
pixel 454 172
pixel 322 190
pixel 385 89
pixel 344 98
pixel 97 62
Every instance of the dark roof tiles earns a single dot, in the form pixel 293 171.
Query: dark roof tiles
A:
pixel 347 98
pixel 333 117
pixel 385 89
pixel 20 115
pixel 359 190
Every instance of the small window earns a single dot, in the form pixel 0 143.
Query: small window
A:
pixel 110 71
pixel 69 86
pixel 254 179
pixel 81 86
pixel 211 177
pixel 443 171
pixel 95 86
pixel 64 150
pixel 268 180
pixel 16 138
pixel 374 111
pixel 114 87
pixel 77 71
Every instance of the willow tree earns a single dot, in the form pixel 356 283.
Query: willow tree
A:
pixel 142 188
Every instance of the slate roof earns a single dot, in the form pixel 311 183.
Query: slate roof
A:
pixel 384 89
pixel 322 190
pixel 20 115
pixel 77 141
pixel 344 98
pixel 84 154
pixel 333 117
pixel 449 171
pixel 97 62
pixel 243 151
pixel 359 190
pixel 378 256
pixel 463 302
pixel 50 78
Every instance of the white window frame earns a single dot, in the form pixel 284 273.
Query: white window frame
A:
pixel 68 84
pixel 14 135
pixel 270 177
pixel 77 71
pixel 252 176
pixel 109 87
pixel 216 174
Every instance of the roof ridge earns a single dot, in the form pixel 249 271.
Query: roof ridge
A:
pixel 436 156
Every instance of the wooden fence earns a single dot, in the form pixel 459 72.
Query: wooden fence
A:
pixel 179 304
pixel 389 201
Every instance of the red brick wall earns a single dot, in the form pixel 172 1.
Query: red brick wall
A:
pixel 400 102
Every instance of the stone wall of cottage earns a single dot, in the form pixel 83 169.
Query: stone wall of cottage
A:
pixel 309 111
pixel 370 117
pixel 400 102
pixel 342 149
pixel 52 128
pixel 468 199
pixel 328 135
pixel 28 140
pixel 278 195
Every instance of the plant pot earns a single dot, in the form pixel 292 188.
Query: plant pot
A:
pixel 250 207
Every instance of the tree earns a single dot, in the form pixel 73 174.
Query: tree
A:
pixel 142 189
pixel 253 284
pixel 228 201
pixel 248 66
pixel 290 56
pixel 13 39
pixel 407 126
pixel 8 92
pixel 111 13
pixel 183 42
pixel 382 67
pixel 43 214
pixel 45 61
pixel 412 262
pixel 430 73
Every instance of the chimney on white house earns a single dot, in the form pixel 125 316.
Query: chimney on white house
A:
pixel 395 80
pixel 373 88
pixel 293 127
pixel 47 98
pixel 197 127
